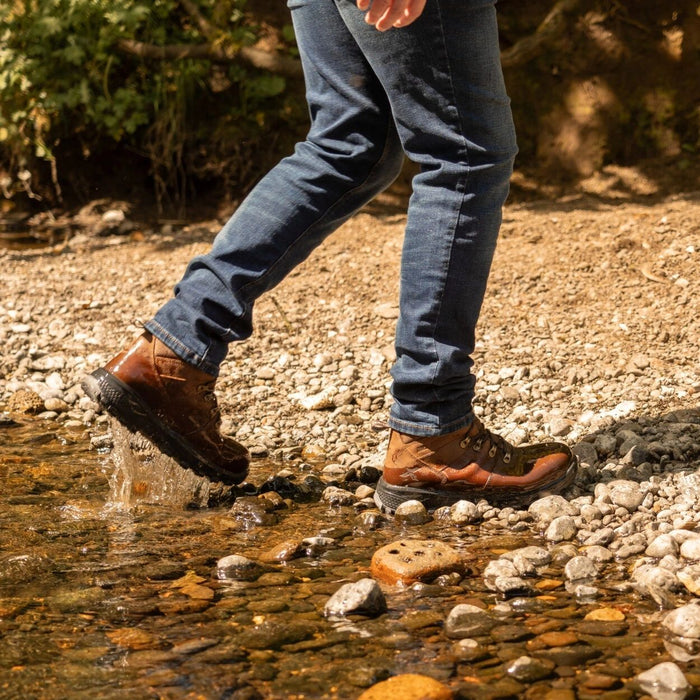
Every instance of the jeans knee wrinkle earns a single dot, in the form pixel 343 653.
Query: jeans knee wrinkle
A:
pixel 253 289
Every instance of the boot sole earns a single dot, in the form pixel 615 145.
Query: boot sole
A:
pixel 389 497
pixel 120 401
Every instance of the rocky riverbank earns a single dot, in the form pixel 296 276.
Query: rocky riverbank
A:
pixel 589 333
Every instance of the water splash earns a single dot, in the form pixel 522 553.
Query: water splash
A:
pixel 143 474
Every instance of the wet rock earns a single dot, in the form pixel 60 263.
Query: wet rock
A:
pixel 464 513
pixel 408 686
pixel 23 568
pixel 575 655
pixel 512 586
pixel 336 496
pixel 284 551
pixel 273 634
pixel 235 567
pixel 665 681
pixel 535 556
pixel 499 568
pixel 251 511
pixel 465 621
pixel 528 670
pixel 605 444
pixel 510 633
pixel 684 621
pixel 408 561
pixel 78 600
pixel 363 597
pixel 411 513
pixel 580 570
pixel 599 681
pixel 286 488
pixel 318 545
pixel 561 553
pixel 561 529
pixel 371 519
pixel 652 577
pixel 469 650
pixel 164 570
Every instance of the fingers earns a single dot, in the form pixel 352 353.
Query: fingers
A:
pixel 411 13
pixel 385 14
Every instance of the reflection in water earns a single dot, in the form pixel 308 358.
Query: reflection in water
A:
pixel 108 589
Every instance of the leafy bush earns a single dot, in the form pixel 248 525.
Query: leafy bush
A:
pixel 66 75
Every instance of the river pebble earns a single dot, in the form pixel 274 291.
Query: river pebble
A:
pixel 665 681
pixel 363 597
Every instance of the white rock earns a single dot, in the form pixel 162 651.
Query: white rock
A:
pixel 561 529
pixel 665 681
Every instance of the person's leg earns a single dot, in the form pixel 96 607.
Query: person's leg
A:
pixel 163 385
pixel 352 152
pixel 443 78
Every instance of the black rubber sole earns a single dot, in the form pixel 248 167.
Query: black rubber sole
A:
pixel 126 406
pixel 389 497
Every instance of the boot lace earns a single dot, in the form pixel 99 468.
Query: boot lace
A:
pixel 497 444
pixel 206 391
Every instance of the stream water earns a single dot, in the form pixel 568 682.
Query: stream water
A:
pixel 108 589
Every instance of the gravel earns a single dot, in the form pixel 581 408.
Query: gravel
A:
pixel 589 333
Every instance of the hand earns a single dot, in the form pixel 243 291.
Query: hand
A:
pixel 385 14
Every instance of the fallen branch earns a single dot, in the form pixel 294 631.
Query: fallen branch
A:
pixel 256 58
pixel 551 26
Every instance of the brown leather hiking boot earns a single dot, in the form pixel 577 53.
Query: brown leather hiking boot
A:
pixel 470 464
pixel 150 389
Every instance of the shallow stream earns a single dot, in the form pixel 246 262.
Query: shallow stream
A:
pixel 108 589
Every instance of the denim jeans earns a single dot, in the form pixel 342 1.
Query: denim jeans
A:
pixel 433 91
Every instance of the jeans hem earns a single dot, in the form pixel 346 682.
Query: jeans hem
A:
pixel 180 349
pixel 424 430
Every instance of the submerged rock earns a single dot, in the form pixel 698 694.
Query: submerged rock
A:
pixel 466 621
pixel 236 567
pixel 527 670
pixel 363 597
pixel 664 681
pixel 411 513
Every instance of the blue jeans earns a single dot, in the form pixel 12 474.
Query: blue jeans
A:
pixel 434 91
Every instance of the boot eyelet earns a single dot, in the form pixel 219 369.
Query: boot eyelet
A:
pixel 464 443
pixel 492 451
pixel 506 457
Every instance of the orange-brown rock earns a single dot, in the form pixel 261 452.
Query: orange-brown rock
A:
pixel 408 561
pixel 409 686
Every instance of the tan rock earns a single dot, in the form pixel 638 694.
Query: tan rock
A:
pixel 606 615
pixel 25 401
pixel 408 561
pixel 409 686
